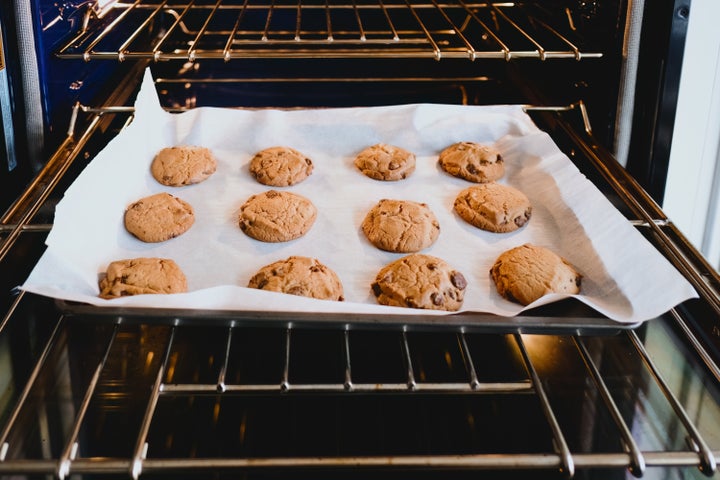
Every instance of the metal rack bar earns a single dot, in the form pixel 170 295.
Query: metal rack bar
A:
pixel 140 450
pixel 359 21
pixel 108 29
pixel 348 385
pixel 457 30
pixel 566 459
pixel 5 432
pixel 220 387
pixel 637 462
pixel 193 46
pixel 428 387
pixel 476 462
pixel 70 451
pixel 437 53
pixel 264 37
pixel 228 45
pixel 572 46
pixel 285 381
pixel 411 383
pixel 708 463
pixel 469 364
pixel 123 48
pixel 488 30
pixel 540 50
pixel 156 53
pixel 298 21
pixel 395 35
pixel 328 21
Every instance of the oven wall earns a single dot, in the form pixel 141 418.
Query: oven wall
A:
pixel 692 197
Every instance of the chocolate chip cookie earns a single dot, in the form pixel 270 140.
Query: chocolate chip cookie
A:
pixel 385 162
pixel 275 216
pixel 420 281
pixel 401 226
pixel 301 276
pixel 280 166
pixel 138 276
pixel 524 274
pixel 183 165
pixel 472 161
pixel 493 207
pixel 159 217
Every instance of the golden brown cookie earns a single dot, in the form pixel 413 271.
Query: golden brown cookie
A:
pixel 385 162
pixel 401 226
pixel 420 281
pixel 302 276
pixel 159 217
pixel 138 276
pixel 280 166
pixel 493 207
pixel 183 165
pixel 525 273
pixel 275 216
pixel 472 161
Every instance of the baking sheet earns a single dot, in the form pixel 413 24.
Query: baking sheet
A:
pixel 624 277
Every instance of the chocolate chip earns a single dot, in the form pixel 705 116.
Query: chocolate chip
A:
pixel 308 161
pixel 578 281
pixel 499 159
pixel 432 266
pixel 437 299
pixel 457 279
pixel 297 290
pixel 262 283
pixel 522 220
pixel 472 169
pixel 376 289
pixel 410 302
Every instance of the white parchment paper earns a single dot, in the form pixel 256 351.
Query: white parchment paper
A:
pixel 624 277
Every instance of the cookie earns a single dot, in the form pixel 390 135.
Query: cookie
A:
pixel 472 161
pixel 275 216
pixel 138 276
pixel 159 217
pixel 385 162
pixel 280 166
pixel 183 165
pixel 401 226
pixel 525 273
pixel 493 207
pixel 302 276
pixel 420 281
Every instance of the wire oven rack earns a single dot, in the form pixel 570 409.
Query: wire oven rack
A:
pixel 70 458
pixel 164 387
pixel 226 30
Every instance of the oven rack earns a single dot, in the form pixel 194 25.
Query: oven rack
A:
pixel 71 462
pixel 19 222
pixel 196 29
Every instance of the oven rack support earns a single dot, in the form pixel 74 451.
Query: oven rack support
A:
pixel 227 30
pixel 562 459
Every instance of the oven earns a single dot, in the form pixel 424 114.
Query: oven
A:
pixel 556 392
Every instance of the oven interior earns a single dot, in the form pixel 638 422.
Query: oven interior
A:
pixel 93 393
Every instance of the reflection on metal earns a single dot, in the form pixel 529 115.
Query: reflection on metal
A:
pixel 341 29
